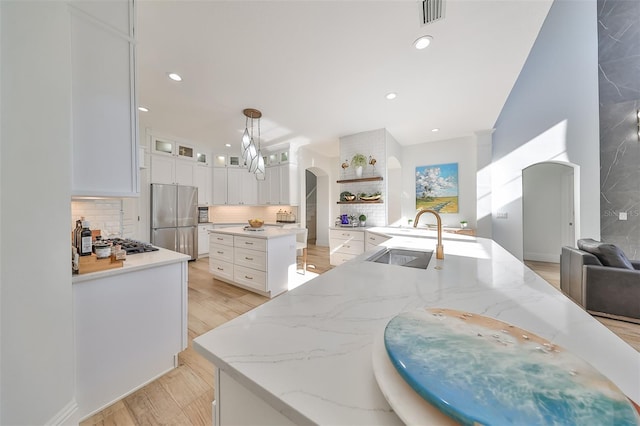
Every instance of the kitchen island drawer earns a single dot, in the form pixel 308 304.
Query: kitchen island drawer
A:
pixel 221 252
pixel 250 277
pixel 251 243
pixel 221 269
pixel 250 258
pixel 217 237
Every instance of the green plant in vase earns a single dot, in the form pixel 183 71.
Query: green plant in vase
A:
pixel 363 219
pixel 359 161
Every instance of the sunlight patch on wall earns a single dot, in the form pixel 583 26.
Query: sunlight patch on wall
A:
pixel 506 173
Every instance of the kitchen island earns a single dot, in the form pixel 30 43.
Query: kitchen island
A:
pixel 256 259
pixel 306 356
pixel 130 323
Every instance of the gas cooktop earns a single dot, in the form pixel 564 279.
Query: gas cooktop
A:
pixel 132 246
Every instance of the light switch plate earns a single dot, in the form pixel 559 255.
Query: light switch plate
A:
pixel 622 215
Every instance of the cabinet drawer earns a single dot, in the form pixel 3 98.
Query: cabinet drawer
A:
pixel 216 237
pixel 250 277
pixel 350 247
pixel 375 239
pixel 221 269
pixel 250 258
pixel 221 252
pixel 251 243
pixel 345 234
pixel 336 259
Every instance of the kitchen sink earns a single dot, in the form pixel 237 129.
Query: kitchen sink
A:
pixel 403 257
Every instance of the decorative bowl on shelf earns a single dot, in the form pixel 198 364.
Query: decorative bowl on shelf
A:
pixel 349 197
pixel 256 223
pixel 369 197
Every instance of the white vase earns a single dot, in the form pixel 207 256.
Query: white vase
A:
pixel 359 171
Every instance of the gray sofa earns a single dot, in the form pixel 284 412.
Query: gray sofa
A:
pixel 600 278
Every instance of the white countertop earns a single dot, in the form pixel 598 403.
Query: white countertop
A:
pixel 136 262
pixel 266 232
pixel 308 352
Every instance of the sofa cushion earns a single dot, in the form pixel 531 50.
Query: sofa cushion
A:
pixel 608 254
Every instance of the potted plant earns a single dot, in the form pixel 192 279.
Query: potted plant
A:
pixel 363 219
pixel 463 224
pixel 359 161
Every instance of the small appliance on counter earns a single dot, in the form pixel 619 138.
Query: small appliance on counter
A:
pixel 203 214
pixel 285 217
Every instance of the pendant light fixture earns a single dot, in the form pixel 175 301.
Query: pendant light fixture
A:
pixel 251 153
pixel 249 150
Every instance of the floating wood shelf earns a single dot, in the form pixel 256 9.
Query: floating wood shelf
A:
pixel 360 202
pixel 365 179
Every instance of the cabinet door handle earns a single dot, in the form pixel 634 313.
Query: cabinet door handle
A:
pixel 248 243
pixel 248 258
pixel 220 269
pixel 372 239
pixel 219 239
pixel 249 278
pixel 220 252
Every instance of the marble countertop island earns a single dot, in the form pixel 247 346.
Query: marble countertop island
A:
pixel 266 232
pixel 308 353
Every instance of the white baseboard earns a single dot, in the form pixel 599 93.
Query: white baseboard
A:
pixel 68 415
pixel 542 257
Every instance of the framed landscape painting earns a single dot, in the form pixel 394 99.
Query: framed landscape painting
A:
pixel 437 187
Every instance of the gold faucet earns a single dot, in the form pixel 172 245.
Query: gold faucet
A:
pixel 439 247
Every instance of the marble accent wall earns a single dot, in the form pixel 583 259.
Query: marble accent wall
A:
pixel 619 90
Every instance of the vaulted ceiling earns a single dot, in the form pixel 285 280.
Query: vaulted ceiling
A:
pixel 319 70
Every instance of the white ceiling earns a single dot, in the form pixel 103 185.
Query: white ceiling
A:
pixel 319 70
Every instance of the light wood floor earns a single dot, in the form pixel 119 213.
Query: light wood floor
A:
pixel 183 396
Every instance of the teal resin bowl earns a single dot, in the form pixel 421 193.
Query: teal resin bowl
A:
pixel 479 370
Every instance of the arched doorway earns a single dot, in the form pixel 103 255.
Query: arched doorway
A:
pixel 316 208
pixel 549 210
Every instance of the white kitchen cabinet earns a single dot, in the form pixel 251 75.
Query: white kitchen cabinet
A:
pixel 170 170
pixel 258 264
pixel 373 239
pixel 219 186
pixel 280 185
pixel 203 179
pixel 104 114
pixel 129 329
pixel 344 245
pixel 203 239
pixel 166 146
pixel 242 187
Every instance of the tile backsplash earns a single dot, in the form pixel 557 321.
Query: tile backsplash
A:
pixel 103 214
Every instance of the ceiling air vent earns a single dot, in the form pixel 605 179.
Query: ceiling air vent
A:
pixel 432 10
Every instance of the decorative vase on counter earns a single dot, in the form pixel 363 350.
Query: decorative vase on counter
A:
pixel 359 171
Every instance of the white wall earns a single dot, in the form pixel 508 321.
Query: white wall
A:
pixel 461 151
pixel 37 355
pixel 551 114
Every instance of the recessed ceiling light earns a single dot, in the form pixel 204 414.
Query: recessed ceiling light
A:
pixel 422 42
pixel 175 77
pixel 228 145
pixel 391 95
pixel 435 130
pixel 143 109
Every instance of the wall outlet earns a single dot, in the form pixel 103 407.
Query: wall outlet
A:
pixel 622 215
pixel 502 215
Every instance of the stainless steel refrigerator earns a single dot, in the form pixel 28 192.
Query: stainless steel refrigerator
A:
pixel 174 218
